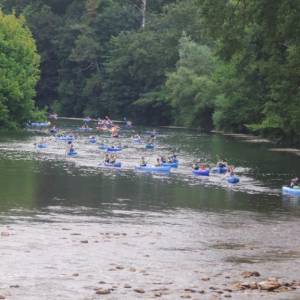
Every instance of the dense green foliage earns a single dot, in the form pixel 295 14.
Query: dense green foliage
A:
pixel 226 64
pixel 19 72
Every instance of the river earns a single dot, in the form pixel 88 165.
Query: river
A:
pixel 70 228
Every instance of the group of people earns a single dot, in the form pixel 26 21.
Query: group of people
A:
pixel 110 158
pixel 220 164
pixel 160 160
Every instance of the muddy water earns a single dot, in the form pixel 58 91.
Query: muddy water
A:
pixel 69 226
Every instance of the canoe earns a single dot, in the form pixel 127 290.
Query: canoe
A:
pixel 153 169
pixel 173 164
pixel 291 191
pixel 201 172
pixel 233 179
pixel 219 170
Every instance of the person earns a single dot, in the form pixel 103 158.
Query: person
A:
pixel 113 159
pixel 70 148
pixel 196 165
pixel 203 167
pixel 163 159
pixel 172 158
pixel 143 162
pixel 158 163
pixel 231 171
pixel 53 129
pixel 294 182
pixel 106 158
pixel 221 164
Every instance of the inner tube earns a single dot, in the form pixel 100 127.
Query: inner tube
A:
pixel 72 154
pixel 113 149
pixel 295 191
pixel 173 164
pixel 42 145
pixel 201 172
pixel 153 169
pixel 233 179
pixel 85 129
pixel 65 138
pixel 103 147
pixel 114 165
pixel 136 141
pixel 149 146
pixel 219 170
pixel 38 124
pixel 92 140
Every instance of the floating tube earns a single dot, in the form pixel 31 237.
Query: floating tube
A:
pixel 201 172
pixel 113 149
pixel 92 140
pixel 116 165
pixel 72 154
pixel 38 124
pixel 85 129
pixel 233 179
pixel 65 138
pixel 103 147
pixel 173 164
pixel 136 141
pixel 42 145
pixel 149 146
pixel 153 169
pixel 295 191
pixel 87 120
pixel 220 170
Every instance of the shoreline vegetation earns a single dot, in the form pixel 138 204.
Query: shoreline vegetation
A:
pixel 228 65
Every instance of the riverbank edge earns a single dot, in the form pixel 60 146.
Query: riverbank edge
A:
pixel 250 138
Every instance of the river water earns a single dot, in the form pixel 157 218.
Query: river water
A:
pixel 69 227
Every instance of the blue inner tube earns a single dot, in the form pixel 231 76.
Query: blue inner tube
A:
pixel 201 172
pixel 72 153
pixel 220 170
pixel 103 147
pixel 233 179
pixel 66 138
pixel 113 149
pixel 173 164
pixel 153 169
pixel 85 129
pixel 149 146
pixel 44 145
pixel 115 165
pixel 38 124
pixel 136 141
pixel 92 141
pixel 291 191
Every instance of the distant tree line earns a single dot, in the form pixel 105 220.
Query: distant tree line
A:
pixel 226 64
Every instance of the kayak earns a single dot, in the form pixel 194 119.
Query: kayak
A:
pixel 233 179
pixel 72 154
pixel 201 172
pixel 65 138
pixel 42 145
pixel 113 149
pixel 220 170
pixel 153 169
pixel 295 191
pixel 116 165
pixel 173 164
pixel 149 146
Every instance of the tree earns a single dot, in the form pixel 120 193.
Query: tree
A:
pixel 19 72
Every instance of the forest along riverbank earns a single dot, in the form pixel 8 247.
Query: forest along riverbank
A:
pixel 127 235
